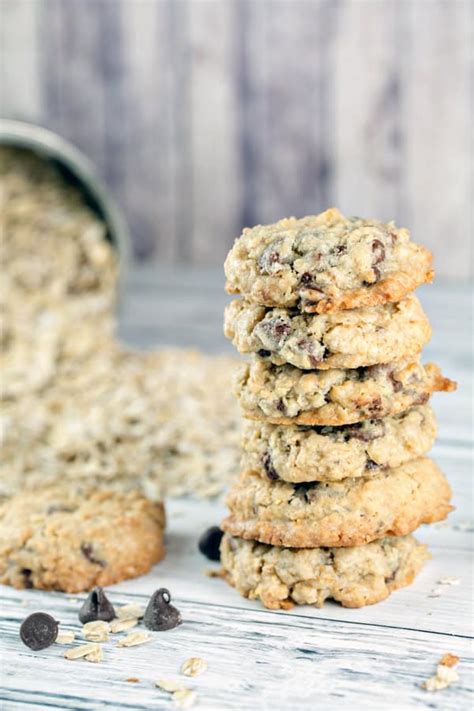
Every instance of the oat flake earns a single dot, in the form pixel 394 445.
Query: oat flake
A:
pixel 96 631
pixel 184 698
pixel 169 685
pixel 122 625
pixel 129 612
pixel 193 666
pixel 135 638
pixel 65 637
pixel 82 651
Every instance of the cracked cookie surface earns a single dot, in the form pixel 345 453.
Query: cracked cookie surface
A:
pixel 326 262
pixel 357 576
pixel 347 339
pixel 351 512
pixel 68 539
pixel 324 453
pixel 286 395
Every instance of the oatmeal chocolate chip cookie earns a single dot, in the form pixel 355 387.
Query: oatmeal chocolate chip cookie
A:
pixel 351 512
pixel 347 339
pixel 68 539
pixel 283 577
pixel 285 395
pixel 298 453
pixel 325 263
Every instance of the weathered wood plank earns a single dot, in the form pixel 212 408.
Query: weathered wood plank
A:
pixel 215 164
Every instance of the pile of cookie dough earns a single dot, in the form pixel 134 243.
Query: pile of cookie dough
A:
pixel 334 477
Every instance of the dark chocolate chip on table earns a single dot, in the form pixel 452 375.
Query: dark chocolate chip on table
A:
pixel 39 630
pixel 96 606
pixel 209 543
pixel 160 615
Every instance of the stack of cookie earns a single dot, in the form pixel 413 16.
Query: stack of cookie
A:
pixel 334 474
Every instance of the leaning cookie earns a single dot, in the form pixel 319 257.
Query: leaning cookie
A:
pixel 325 453
pixel 346 339
pixel 283 577
pixel 325 263
pixel 72 540
pixel 351 512
pixel 285 395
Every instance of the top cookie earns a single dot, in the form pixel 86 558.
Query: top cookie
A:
pixel 327 262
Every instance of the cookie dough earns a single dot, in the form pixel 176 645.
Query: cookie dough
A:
pixel 347 339
pixel 303 453
pixel 61 538
pixel 346 513
pixel 283 577
pixel 286 395
pixel 325 263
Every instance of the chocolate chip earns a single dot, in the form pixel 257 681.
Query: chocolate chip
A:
pixel 378 252
pixel 309 347
pixel 375 408
pixel 87 551
pixel 304 491
pixel 39 631
pixel 371 465
pixel 365 432
pixel 27 573
pixel 96 607
pixel 274 330
pixel 281 406
pixel 209 543
pixel 306 279
pixel 340 250
pixel 160 615
pixel 263 353
pixel 270 470
pixel 396 384
pixel 270 261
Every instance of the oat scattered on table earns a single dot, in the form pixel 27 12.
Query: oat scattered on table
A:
pixel 135 638
pixel 129 612
pixel 194 666
pixel 184 698
pixel 97 655
pixel 96 631
pixel 170 685
pixel 65 637
pixel 449 581
pixel 123 625
pixel 82 651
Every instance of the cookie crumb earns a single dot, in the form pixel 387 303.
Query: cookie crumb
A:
pixel 449 660
pixel 122 625
pixel 134 638
pixel 184 698
pixel 82 651
pixel 169 685
pixel 133 679
pixel 65 637
pixel 130 612
pixel 96 631
pixel 449 581
pixel 213 572
pixel 193 666
pixel 445 674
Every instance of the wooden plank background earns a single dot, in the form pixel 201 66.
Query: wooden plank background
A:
pixel 207 115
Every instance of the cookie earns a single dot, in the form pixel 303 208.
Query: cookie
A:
pixel 285 395
pixel 283 577
pixel 68 539
pixel 325 263
pixel 346 339
pixel 346 513
pixel 303 453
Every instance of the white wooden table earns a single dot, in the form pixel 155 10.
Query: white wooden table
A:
pixel 373 658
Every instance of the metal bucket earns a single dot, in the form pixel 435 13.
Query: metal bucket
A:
pixel 79 171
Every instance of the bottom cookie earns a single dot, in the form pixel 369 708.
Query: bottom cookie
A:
pixel 68 539
pixel 358 576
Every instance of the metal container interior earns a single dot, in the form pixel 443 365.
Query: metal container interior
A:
pixel 78 171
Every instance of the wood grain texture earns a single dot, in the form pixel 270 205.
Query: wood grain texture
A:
pixel 332 658
pixel 205 116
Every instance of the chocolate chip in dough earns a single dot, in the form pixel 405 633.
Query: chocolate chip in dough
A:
pixel 97 606
pixel 209 543
pixel 39 631
pixel 160 615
